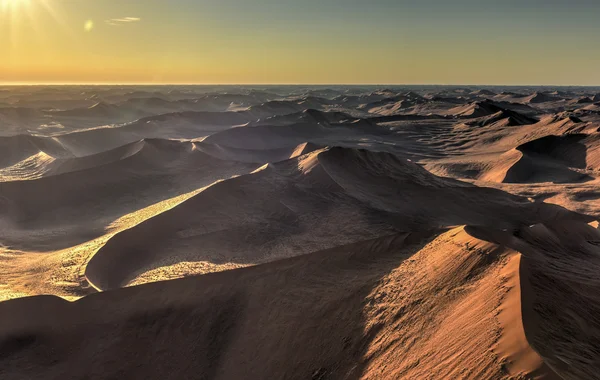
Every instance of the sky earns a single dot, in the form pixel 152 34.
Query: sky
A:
pixel 503 42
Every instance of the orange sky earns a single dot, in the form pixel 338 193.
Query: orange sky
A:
pixel 310 41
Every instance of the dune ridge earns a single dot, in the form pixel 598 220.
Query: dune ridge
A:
pixel 321 232
pixel 350 181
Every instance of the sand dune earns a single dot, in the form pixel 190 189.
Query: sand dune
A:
pixel 352 101
pixel 442 98
pixel 108 185
pixel 569 149
pixel 101 113
pixel 344 311
pixel 14 149
pixel 44 164
pixel 476 109
pixel 309 116
pixel 540 97
pixel 180 125
pixel 298 232
pixel 389 106
pixel 277 107
pixel 17 114
pixel 279 136
pixel 155 105
pixel 548 290
pixel 581 100
pixel 558 148
pixel 593 106
pixel 483 92
pixel 482 108
pixel 135 108
pixel 188 125
pixel 503 118
pixel 284 197
pixel 256 155
pixel 101 110
pixel 534 168
pixel 326 93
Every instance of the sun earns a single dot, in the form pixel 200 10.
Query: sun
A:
pixel 22 17
pixel 13 4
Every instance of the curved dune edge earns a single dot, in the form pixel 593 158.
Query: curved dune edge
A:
pixel 41 164
pixel 410 305
pixel 263 195
pixel 513 348
pixel 256 155
pixel 515 166
pixel 135 218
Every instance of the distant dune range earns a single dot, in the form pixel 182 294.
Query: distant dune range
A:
pixel 299 232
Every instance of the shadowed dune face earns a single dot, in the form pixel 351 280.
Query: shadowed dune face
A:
pixel 568 149
pixel 557 276
pixel 357 307
pixel 108 185
pixel 300 205
pixel 558 149
pixel 297 232
pixel 350 298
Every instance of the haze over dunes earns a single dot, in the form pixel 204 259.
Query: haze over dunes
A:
pixel 299 232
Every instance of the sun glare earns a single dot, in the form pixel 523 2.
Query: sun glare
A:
pixel 13 4
pixel 22 16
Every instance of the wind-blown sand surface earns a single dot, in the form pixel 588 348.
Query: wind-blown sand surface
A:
pixel 299 233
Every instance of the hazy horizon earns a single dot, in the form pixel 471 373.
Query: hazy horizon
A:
pixel 325 85
pixel 463 42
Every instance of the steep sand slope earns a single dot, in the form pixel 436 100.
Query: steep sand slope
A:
pixel 14 149
pixel 558 148
pixel 559 292
pixel 42 164
pixel 483 108
pixel 319 200
pixel 411 305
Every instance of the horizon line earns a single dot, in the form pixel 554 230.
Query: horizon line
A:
pixel 8 84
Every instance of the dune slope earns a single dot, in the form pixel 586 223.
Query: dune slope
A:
pixel 343 312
